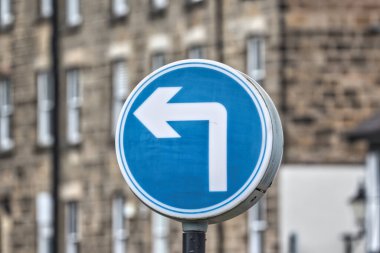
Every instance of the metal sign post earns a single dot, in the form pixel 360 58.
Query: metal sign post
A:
pixel 199 142
pixel 194 237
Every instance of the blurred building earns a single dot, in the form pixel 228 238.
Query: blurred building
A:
pixel 318 60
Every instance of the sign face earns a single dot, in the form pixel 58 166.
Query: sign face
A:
pixel 196 139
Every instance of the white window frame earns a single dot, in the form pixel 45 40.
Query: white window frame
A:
pixel 119 228
pixel 74 103
pixel 120 8
pixel 45 106
pixel 44 218
pixel 159 5
pixel 160 233
pixel 73 12
pixel 257 225
pixel 158 60
pixel 196 52
pixel 120 89
pixel 46 8
pixel 256 58
pixel 6 15
pixel 72 238
pixel 6 113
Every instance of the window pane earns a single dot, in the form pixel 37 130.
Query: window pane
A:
pixel 73 107
pixel 73 15
pixel 5 96
pixel 158 61
pixel 118 225
pixel 46 8
pixel 120 89
pixel 120 80
pixel 120 7
pixel 194 1
pixel 6 110
pixel 118 218
pixel 257 226
pixel 73 85
pixel 45 107
pixel 44 222
pixel 72 228
pixel 256 58
pixel 6 142
pixel 72 218
pixel 6 17
pixel 259 53
pixel 160 232
pixel 159 4
pixel 196 53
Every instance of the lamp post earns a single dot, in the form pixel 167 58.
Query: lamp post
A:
pixel 357 204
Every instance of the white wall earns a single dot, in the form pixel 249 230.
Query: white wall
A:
pixel 314 204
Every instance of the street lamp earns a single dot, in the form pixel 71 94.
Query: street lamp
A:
pixel 358 206
pixel 357 203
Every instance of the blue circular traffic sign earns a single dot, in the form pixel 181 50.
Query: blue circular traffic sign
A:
pixel 197 140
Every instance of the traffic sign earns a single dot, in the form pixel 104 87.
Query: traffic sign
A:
pixel 197 140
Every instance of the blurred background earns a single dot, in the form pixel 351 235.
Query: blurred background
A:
pixel 67 66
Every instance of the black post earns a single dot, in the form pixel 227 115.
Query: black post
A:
pixel 194 237
pixel 55 173
pixel 347 239
pixel 194 242
pixel 293 243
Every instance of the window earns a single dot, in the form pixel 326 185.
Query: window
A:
pixel 160 233
pixel 119 232
pixel 6 16
pixel 158 60
pixel 257 226
pixel 6 224
pixel 45 104
pixel 256 58
pixel 44 213
pixel 159 5
pixel 73 15
pixel 193 1
pixel 196 52
pixel 72 236
pixel 73 107
pixel 5 231
pixel 6 111
pixel 120 89
pixel 46 8
pixel 120 8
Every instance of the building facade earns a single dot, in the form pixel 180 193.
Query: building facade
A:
pixel 318 60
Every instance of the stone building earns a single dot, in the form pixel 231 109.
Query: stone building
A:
pixel 318 60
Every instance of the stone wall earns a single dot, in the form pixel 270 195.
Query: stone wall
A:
pixel 331 77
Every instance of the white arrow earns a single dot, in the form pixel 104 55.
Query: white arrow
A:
pixel 156 112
